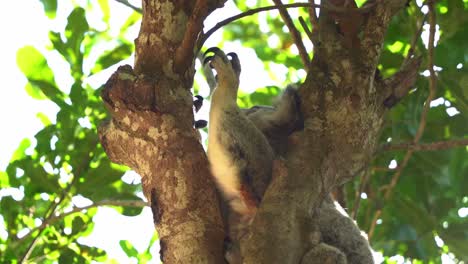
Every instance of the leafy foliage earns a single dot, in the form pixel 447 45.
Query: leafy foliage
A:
pixel 65 160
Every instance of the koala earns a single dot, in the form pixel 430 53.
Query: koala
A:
pixel 240 156
pixel 242 144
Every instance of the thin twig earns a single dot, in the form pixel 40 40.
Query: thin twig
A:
pixel 306 29
pixel 295 34
pixel 54 205
pixel 128 203
pixel 254 11
pixel 357 200
pixel 377 168
pixel 55 218
pixel 422 123
pixel 126 3
pixel 313 16
pixel 416 36
pixel 439 145
pixel 49 215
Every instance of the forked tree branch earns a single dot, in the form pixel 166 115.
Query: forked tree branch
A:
pixel 295 34
pixel 254 11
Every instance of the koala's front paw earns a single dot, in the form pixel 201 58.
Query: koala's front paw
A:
pixel 227 66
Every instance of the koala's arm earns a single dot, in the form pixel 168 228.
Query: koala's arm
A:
pixel 239 154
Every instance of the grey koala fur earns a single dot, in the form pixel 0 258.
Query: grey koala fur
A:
pixel 242 144
pixel 240 156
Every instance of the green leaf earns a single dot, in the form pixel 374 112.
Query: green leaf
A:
pixel 128 248
pixel 44 119
pixel 104 183
pixel 78 96
pixel 77 225
pixel 20 152
pixel 413 214
pixel 40 180
pixel 34 92
pixel 10 211
pixel 131 20
pixel 41 78
pixel 49 90
pixel 129 210
pixel 264 96
pixel 456 237
pixel 93 254
pixel 68 255
pixel 33 64
pixel 75 31
pixel 109 58
pixel 50 7
pixel 4 182
pixel 104 4
pixel 59 45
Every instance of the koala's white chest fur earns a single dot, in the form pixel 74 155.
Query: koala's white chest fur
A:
pixel 221 161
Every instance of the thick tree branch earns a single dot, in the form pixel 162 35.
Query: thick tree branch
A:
pixel 295 34
pixel 152 131
pixel 374 29
pixel 398 85
pixel 184 53
pixel 422 123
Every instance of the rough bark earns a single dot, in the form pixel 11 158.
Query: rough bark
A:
pixel 343 105
pixel 152 132
pixel 343 109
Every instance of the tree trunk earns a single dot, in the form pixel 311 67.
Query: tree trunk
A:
pixel 343 102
